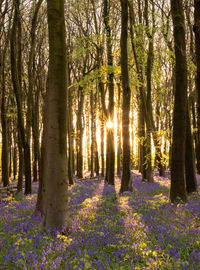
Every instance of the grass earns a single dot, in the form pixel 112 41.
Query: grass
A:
pixel 138 230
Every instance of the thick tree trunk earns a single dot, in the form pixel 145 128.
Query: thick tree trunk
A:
pixel 196 29
pixel 55 175
pixel 126 183
pixel 178 183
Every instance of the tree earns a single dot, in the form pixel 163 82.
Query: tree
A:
pixel 110 149
pixel 55 173
pixel 196 29
pixel 190 173
pixel 4 121
pixel 16 71
pixel 178 183
pixel 126 173
pixel 32 117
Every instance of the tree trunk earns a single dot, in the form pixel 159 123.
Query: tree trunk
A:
pixel 80 134
pixel 36 135
pixel 191 181
pixel 141 143
pixel 96 157
pixel 102 146
pixel 110 163
pixel 178 183
pixel 55 175
pixel 33 111
pixel 20 165
pixel 14 158
pixel 118 132
pixel 195 133
pixel 4 154
pixel 149 66
pixel 126 183
pixel 196 29
pixel 92 133
pixel 70 137
pixel 16 79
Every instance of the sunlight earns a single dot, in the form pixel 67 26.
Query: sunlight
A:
pixel 109 124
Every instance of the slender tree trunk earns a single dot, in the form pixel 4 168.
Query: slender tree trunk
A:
pixel 16 79
pixel 41 196
pixel 110 163
pixel 96 159
pixel 14 158
pixel 138 52
pixel 149 67
pixel 36 134
pixel 20 165
pixel 126 174
pixel 32 111
pixel 102 146
pixel 4 154
pixel 70 138
pixel 118 132
pixel 195 132
pixel 191 181
pixel 178 182
pixel 141 144
pixel 80 135
pixel 55 175
pixel 10 149
pixel 92 133
pixel 196 29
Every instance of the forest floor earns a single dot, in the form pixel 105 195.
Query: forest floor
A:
pixel 138 230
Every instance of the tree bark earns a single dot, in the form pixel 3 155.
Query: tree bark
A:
pixel 96 154
pixel 92 133
pixel 80 134
pixel 32 116
pixel 126 174
pixel 110 163
pixel 190 173
pixel 55 175
pixel 16 79
pixel 196 29
pixel 102 145
pixel 119 132
pixel 178 182
pixel 70 136
pixel 4 154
